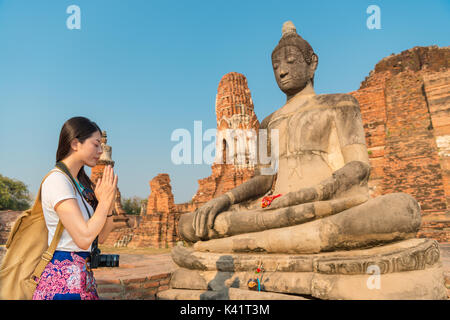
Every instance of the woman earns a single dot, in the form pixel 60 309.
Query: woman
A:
pixel 68 275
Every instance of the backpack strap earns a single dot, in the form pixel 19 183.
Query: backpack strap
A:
pixel 48 254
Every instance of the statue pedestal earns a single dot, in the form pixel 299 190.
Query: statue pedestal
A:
pixel 408 269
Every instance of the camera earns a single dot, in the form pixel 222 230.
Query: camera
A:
pixel 98 260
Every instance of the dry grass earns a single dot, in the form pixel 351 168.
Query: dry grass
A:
pixel 112 250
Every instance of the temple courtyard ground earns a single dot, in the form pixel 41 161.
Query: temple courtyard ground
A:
pixel 136 263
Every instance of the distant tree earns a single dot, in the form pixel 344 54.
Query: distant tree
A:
pixel 14 194
pixel 133 205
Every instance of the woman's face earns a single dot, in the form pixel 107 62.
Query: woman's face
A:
pixel 90 150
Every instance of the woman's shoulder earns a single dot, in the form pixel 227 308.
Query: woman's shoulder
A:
pixel 56 175
pixel 56 179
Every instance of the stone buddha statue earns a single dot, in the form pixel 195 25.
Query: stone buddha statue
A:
pixel 324 224
pixel 323 170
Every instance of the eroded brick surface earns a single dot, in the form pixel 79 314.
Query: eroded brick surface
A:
pixel 405 106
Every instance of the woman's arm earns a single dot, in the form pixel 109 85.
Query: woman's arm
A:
pixel 108 227
pixel 82 232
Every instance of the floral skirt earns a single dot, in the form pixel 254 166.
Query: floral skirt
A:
pixel 67 277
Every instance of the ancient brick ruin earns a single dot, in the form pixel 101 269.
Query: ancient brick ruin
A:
pixel 157 227
pixel 234 110
pixel 405 106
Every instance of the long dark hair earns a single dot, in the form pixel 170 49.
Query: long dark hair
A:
pixel 81 128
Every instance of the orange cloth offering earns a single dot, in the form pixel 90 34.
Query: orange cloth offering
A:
pixel 268 199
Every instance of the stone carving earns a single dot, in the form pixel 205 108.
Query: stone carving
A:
pixel 409 255
pixel 423 256
pixel 399 285
pixel 322 173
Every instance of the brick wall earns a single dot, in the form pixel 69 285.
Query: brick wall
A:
pixel 405 106
pixel 133 289
pixel 223 178
pixel 157 227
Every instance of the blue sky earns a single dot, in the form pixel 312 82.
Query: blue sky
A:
pixel 142 69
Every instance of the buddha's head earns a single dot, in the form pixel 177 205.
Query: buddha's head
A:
pixel 294 61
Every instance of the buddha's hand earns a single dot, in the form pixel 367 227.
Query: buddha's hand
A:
pixel 279 202
pixel 205 215
pixel 293 198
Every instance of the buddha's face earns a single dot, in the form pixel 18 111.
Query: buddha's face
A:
pixel 292 72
